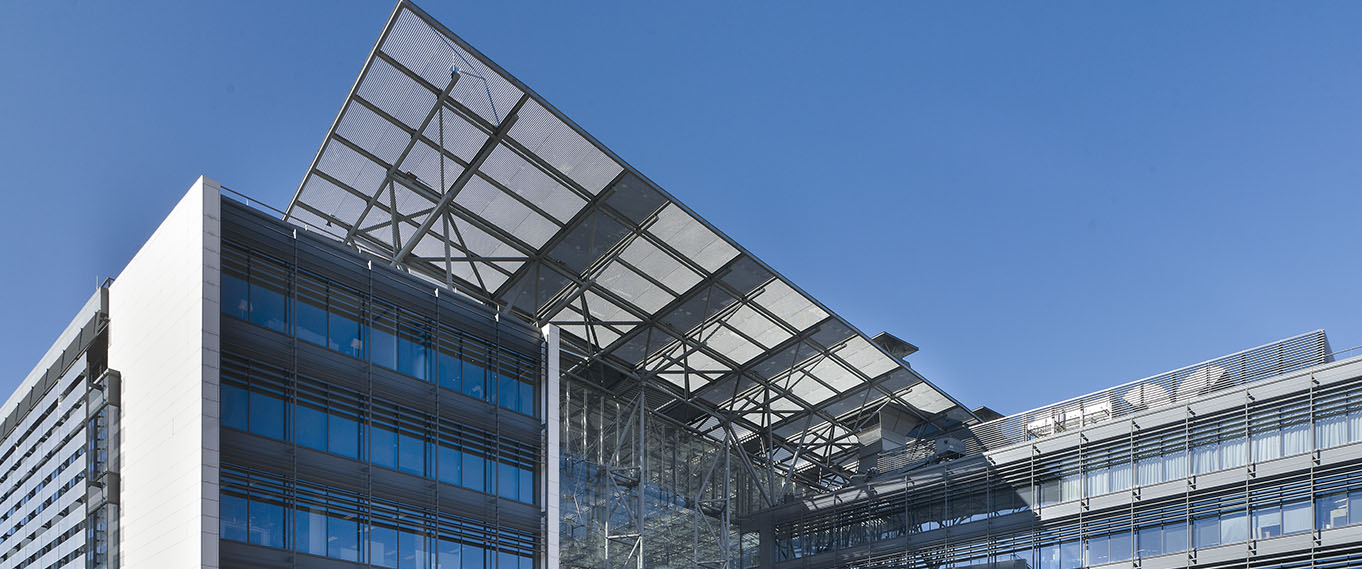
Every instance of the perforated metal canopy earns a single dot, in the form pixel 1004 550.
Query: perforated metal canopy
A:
pixel 444 164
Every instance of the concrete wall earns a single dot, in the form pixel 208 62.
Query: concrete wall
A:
pixel 163 338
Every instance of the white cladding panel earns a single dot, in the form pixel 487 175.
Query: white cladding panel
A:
pixel 163 338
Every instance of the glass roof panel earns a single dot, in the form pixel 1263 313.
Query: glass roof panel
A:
pixel 691 238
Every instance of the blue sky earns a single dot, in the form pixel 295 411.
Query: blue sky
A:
pixel 1047 198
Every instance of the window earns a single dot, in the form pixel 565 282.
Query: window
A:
pixel 233 515
pixel 450 464
pixel 1206 532
pixel 1175 537
pixel 235 407
pixel 1296 517
pixel 383 446
pixel 1233 452
pixel 1267 522
pixel 343 435
pixel 1070 555
pixel 1355 507
pixel 473 472
pixel 310 428
pixel 342 536
pixel 267 523
pixel 267 414
pixel 411 454
pixel 1149 541
pixel 309 531
pixel 447 554
pixel 1098 550
pixel 472 556
pixel 383 546
pixel 1119 546
pixel 1331 511
pixel 1233 527
pixel 1206 457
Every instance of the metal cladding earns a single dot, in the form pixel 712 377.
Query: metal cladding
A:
pixel 444 164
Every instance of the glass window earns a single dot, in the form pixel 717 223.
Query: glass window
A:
pixel 1098 552
pixel 526 486
pixel 1121 478
pixel 1331 430
pixel 268 305
pixel 267 524
pixel 311 311
pixel 1233 452
pixel 1206 532
pixel 1267 444
pixel 473 378
pixel 383 546
pixel 1175 465
pixel 508 393
pixel 233 513
pixel 1049 492
pixel 506 559
pixel 413 346
pixel 383 447
pixel 527 402
pixel 1049 557
pixel 383 336
pixel 267 415
pixel 343 436
pixel 1267 522
pixel 1071 486
pixel 1149 470
pixel 1233 527
pixel 411 454
pixel 1150 541
pixel 344 328
pixel 507 481
pixel 1070 555
pixel 1295 439
pixel 1119 544
pixel 342 536
pixel 473 472
pixel 1331 511
pixel 1175 537
pixel 411 550
pixel 447 554
pixel 1355 507
pixel 449 464
pixel 1206 458
pixel 310 430
pixel 309 535
pixel 1295 517
pixel 235 407
pixel 1097 479
pixel 236 300
pixel 449 367
pixel 472 556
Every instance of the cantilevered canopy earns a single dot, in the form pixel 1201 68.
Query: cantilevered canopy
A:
pixel 446 165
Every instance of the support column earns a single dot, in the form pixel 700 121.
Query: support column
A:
pixel 551 411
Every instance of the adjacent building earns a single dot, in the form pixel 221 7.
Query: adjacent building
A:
pixel 478 339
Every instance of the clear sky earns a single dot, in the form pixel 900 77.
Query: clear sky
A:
pixel 1047 198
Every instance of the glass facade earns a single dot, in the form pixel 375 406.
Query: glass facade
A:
pixel 365 419
pixel 1161 489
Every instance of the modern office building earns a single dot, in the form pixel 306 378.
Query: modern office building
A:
pixel 478 339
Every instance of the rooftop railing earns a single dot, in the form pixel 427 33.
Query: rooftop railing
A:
pixel 1180 385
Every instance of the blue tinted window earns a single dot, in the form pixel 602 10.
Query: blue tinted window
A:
pixel 473 557
pixel 234 519
pixel 236 299
pixel 309 534
pixel 383 546
pixel 449 368
pixel 473 466
pixel 312 323
pixel 342 435
pixel 474 380
pixel 508 392
pixel 526 486
pixel 1098 552
pixel 1119 546
pixel 383 336
pixel 267 415
pixel 411 551
pixel 508 481
pixel 1355 507
pixel 1175 537
pixel 345 336
pixel 1206 532
pixel 235 407
pixel 1233 527
pixel 411 454
pixel 310 430
pixel 1150 541
pixel 527 402
pixel 413 347
pixel 268 307
pixel 447 554
pixel 507 560
pixel 267 524
pixel 383 447
pixel 342 538
pixel 450 463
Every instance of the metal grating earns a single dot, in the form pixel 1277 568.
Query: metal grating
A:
pixel 444 164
